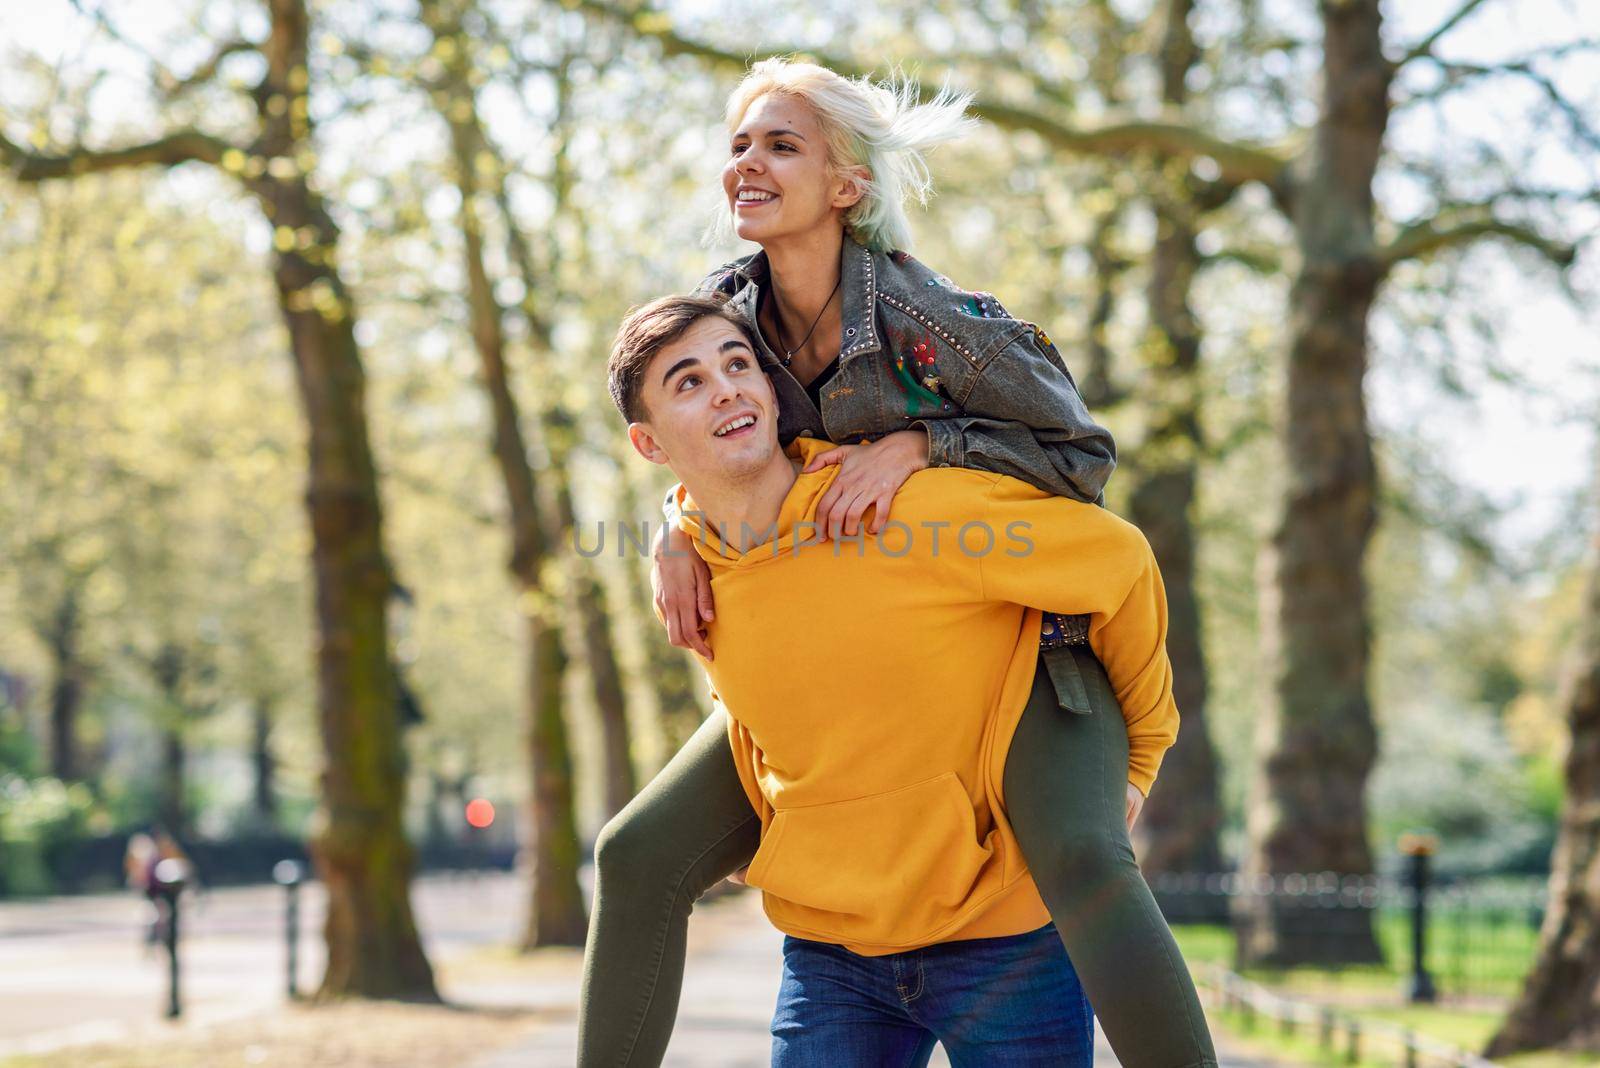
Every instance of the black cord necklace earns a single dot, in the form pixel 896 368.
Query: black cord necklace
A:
pixel 777 323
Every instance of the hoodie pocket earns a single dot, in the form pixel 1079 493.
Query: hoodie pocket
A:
pixel 886 869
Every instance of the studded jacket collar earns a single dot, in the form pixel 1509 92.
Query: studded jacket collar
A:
pixel 990 390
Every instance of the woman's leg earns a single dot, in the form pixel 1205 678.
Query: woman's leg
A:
pixel 1066 788
pixel 686 831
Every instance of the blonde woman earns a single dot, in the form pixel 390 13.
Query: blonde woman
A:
pixel 868 348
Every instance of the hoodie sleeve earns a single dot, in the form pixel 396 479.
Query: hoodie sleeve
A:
pixel 1074 558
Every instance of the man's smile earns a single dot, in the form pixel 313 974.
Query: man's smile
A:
pixel 739 426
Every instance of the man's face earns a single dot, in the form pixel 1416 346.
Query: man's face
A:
pixel 710 411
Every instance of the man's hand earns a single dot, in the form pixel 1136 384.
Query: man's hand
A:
pixel 1135 805
pixel 869 476
pixel 681 582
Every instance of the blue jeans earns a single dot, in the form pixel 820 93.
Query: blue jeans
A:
pixel 995 1002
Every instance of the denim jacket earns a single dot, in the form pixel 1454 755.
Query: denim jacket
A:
pixel 990 391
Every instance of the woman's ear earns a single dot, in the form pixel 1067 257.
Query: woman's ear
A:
pixel 851 187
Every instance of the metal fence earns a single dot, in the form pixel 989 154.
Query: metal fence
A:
pixel 1479 934
pixel 1336 1036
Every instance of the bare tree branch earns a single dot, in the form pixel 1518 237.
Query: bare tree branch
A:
pixel 1425 46
pixel 1435 234
pixel 181 147
pixel 173 86
pixel 98 17
pixel 1457 75
pixel 1582 127
pixel 1262 260
pixel 1238 161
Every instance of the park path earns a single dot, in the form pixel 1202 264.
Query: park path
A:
pixel 729 990
pixel 73 970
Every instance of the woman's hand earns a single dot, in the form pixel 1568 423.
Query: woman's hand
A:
pixel 681 582
pixel 869 476
pixel 1135 805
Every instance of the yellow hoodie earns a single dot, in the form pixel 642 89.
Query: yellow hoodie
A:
pixel 873 686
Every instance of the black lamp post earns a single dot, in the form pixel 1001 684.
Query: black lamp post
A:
pixel 168 879
pixel 1420 849
pixel 288 874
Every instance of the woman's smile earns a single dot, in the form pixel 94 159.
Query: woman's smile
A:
pixel 749 199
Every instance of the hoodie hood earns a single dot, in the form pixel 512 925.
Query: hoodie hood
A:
pixel 790 531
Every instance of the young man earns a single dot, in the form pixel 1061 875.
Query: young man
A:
pixel 873 685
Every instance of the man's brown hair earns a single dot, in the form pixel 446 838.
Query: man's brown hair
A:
pixel 650 328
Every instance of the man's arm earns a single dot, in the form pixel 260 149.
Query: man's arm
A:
pixel 1074 558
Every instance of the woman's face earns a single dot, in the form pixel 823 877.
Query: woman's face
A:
pixel 777 178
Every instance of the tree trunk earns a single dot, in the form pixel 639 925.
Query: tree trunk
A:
pixel 556 914
pixel 1560 1000
pixel 433 828
pixel 66 688
pixel 1178 829
pixel 1317 740
pixel 172 809
pixel 586 601
pixel 1095 383
pixel 167 666
pixel 361 849
pixel 585 593
pixel 669 669
pixel 555 907
pixel 610 697
pixel 263 766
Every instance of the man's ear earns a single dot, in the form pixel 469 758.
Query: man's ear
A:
pixel 645 443
pixel 852 186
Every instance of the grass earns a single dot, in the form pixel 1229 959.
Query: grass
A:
pixel 1476 955
pixel 1468 1029
pixel 1476 987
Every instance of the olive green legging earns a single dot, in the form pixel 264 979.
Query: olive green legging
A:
pixel 1065 786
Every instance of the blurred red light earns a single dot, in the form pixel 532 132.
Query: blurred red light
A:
pixel 480 813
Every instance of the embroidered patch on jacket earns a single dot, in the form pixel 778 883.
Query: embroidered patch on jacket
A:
pixel 916 368
pixel 983 306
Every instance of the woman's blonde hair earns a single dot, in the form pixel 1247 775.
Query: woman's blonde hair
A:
pixel 880 128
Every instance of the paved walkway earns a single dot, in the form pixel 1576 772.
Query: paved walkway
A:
pixel 728 994
pixel 76 969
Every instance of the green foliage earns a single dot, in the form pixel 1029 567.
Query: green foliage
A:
pixel 36 816
pixel 18 750
pixel 1450 771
